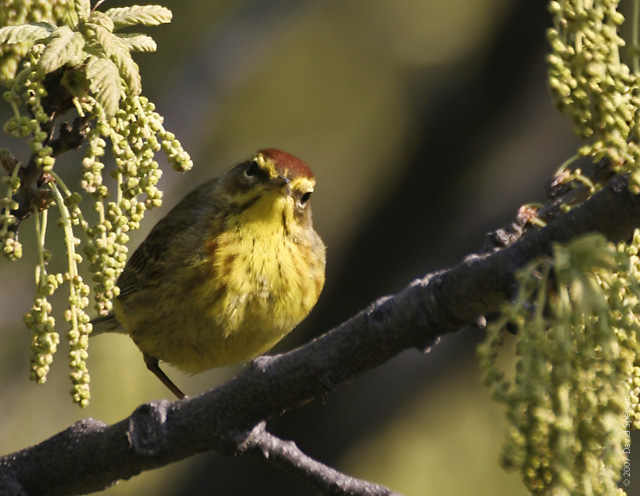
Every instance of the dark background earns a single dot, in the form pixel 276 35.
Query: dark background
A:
pixel 427 123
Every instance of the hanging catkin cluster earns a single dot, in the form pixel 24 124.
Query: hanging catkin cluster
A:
pixel 573 394
pixel 66 59
pixel 576 373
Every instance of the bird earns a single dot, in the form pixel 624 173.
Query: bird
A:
pixel 227 273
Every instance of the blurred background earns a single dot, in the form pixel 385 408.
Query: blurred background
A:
pixel 427 124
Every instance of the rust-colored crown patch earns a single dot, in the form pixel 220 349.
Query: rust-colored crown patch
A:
pixel 288 165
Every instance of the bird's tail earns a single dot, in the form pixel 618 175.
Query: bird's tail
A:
pixel 106 323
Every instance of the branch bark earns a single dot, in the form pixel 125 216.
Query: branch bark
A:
pixel 90 455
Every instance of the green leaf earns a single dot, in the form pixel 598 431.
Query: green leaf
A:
pixel 128 68
pixel 82 8
pixel 32 32
pixel 118 52
pixel 130 72
pixel 104 38
pixel 101 19
pixel 78 56
pixel 136 42
pixel 65 46
pixel 147 15
pixel 105 83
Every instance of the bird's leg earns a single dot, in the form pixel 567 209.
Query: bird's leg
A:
pixel 153 366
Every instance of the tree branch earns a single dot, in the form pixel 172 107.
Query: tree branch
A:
pixel 288 456
pixel 224 419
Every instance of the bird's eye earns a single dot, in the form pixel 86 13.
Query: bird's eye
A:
pixel 305 198
pixel 252 169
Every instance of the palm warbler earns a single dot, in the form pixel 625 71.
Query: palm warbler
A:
pixel 230 270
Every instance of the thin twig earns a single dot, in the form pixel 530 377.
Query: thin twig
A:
pixel 289 457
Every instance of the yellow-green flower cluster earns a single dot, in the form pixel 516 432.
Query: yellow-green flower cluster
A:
pixel 28 90
pixel 78 338
pixel 136 134
pixel 45 339
pixel 78 335
pixel 625 301
pixel 576 322
pixel 588 81
pixel 11 247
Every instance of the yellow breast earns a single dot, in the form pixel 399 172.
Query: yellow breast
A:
pixel 270 279
pixel 258 280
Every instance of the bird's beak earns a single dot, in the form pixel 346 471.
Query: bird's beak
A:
pixel 279 183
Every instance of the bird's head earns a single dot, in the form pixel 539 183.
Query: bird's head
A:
pixel 272 183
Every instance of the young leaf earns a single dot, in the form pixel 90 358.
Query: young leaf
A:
pixel 79 55
pixel 118 52
pixel 128 68
pixel 101 19
pixel 82 8
pixel 136 42
pixel 32 32
pixel 104 83
pixel 63 47
pixel 147 15
pixel 104 38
